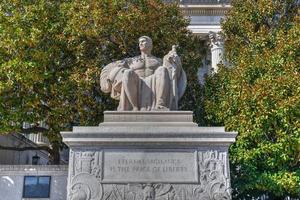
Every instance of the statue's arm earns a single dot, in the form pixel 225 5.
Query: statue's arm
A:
pixel 173 63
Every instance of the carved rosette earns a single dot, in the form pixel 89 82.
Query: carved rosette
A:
pixel 85 187
pixel 85 177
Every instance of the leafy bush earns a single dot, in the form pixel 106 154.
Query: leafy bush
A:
pixel 259 96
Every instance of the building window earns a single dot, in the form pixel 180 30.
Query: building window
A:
pixel 36 187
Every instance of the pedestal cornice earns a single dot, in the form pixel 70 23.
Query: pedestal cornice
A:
pixel 171 128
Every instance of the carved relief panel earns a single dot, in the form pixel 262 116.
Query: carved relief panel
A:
pixel 85 173
pixel 87 179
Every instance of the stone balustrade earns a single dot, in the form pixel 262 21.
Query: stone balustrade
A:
pixel 38 138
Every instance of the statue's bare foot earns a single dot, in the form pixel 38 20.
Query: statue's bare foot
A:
pixel 135 109
pixel 161 108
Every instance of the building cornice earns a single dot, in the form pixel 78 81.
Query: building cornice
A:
pixel 204 10
pixel 33 170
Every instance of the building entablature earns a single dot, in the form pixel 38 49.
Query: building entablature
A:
pixel 204 15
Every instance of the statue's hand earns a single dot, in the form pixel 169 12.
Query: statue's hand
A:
pixel 173 63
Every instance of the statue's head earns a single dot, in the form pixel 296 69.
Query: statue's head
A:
pixel 145 44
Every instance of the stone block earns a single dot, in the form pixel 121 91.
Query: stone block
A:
pixel 148 156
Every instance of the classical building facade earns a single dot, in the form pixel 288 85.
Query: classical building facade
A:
pixel 205 21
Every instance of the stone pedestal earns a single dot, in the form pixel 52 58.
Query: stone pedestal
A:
pixel 148 156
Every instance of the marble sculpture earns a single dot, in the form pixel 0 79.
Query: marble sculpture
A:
pixel 145 82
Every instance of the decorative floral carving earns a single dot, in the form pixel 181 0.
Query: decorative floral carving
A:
pixel 97 171
pixel 139 192
pixel 214 183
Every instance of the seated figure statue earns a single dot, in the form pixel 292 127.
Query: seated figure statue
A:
pixel 145 82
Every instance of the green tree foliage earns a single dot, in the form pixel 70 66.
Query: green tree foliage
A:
pixel 259 96
pixel 51 54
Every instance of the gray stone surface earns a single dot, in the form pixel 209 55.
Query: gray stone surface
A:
pixel 149 166
pixel 146 156
pixel 146 116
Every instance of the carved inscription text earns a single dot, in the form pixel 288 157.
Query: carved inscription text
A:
pixel 175 167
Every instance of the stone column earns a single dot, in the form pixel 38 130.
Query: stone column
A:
pixel 217 50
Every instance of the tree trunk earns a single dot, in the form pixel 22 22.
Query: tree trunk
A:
pixel 54 154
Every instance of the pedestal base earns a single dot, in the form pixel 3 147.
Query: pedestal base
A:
pixel 148 156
